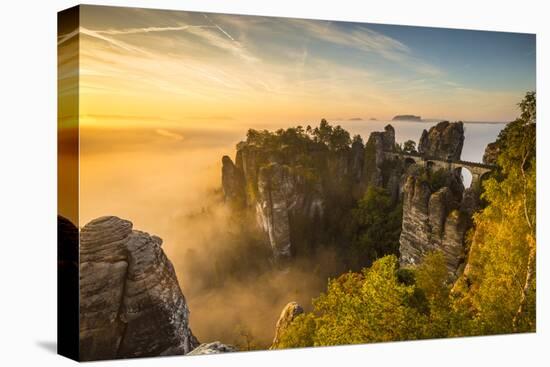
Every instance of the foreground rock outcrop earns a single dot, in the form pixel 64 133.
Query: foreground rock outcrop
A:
pixel 289 313
pixel 131 304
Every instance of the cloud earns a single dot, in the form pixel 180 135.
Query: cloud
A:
pixel 225 42
pixel 99 35
pixel 253 67
pixel 150 29
pixel 367 40
pixel 169 134
pixel 212 34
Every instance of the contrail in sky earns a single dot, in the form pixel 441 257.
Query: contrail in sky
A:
pixel 220 28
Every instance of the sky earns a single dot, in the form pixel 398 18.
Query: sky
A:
pixel 175 68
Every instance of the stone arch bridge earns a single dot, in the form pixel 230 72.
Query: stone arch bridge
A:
pixel 478 170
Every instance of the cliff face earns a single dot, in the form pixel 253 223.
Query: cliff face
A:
pixel 290 189
pixel 282 195
pixel 233 183
pixel 432 220
pixel 436 215
pixel 130 302
pixel 293 187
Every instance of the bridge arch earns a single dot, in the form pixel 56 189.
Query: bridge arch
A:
pixel 473 174
pixel 466 174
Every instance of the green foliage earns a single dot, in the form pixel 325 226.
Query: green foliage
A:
pixel 366 307
pixel 334 137
pixel 371 306
pixel 496 293
pixel 436 179
pixel 432 282
pixel 370 161
pixel 499 286
pixel 528 107
pixel 299 334
pixel 376 223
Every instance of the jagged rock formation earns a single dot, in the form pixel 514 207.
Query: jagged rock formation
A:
pixel 443 141
pixel 289 313
pixel 378 170
pixel 291 187
pixel 212 348
pixel 131 304
pixel 431 221
pixel 232 183
pixel 437 218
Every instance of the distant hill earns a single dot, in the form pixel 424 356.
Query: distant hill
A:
pixel 407 118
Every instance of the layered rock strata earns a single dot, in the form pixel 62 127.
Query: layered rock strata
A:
pixel 290 198
pixel 432 221
pixel 443 141
pixel 437 218
pixel 131 304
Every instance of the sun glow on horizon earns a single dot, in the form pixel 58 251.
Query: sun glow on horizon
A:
pixel 184 68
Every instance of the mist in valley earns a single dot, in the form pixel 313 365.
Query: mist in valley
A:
pixel 167 181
